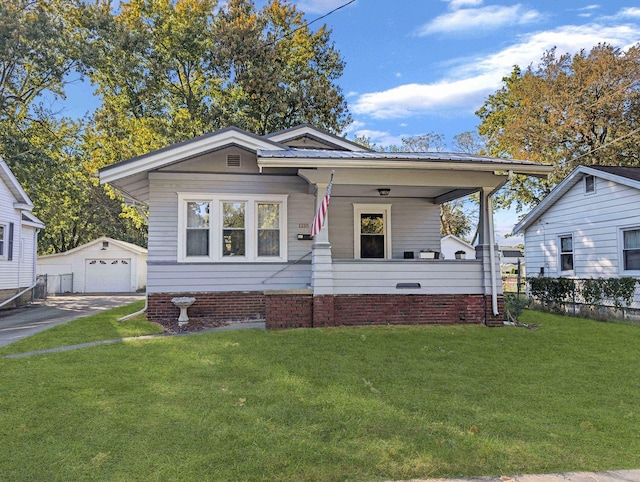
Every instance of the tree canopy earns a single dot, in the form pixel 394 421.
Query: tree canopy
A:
pixel 165 71
pixel 566 111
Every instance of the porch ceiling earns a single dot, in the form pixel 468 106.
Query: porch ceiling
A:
pixel 438 185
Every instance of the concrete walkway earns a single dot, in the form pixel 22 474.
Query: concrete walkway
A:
pixel 231 326
pixel 609 476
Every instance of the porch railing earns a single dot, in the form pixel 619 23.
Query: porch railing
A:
pixel 358 276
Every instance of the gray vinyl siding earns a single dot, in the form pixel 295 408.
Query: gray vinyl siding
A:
pixel 595 222
pixel 165 274
pixel 434 276
pixel 415 225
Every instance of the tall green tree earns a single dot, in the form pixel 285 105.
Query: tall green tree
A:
pixel 566 111
pixel 39 53
pixel 169 70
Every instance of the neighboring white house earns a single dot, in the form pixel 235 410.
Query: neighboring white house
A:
pixel 104 265
pixel 229 219
pixel 450 245
pixel 18 238
pixel 587 227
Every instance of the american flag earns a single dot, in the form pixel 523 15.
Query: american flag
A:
pixel 318 220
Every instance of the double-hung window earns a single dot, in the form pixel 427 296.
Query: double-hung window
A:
pixel 222 228
pixel 566 253
pixel 3 240
pixel 631 249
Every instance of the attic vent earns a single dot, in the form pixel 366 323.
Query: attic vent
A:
pixel 233 160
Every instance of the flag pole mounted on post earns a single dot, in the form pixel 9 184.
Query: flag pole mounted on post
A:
pixel 318 220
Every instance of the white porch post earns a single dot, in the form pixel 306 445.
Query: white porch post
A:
pixel 486 250
pixel 321 260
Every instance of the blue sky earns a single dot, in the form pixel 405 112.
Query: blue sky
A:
pixel 418 66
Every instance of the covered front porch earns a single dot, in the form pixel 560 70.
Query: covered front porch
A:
pixel 375 259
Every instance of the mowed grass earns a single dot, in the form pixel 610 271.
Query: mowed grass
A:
pixel 375 403
pixel 98 327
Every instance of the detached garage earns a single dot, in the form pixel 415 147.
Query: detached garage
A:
pixel 105 265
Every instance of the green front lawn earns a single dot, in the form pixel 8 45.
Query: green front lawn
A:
pixel 98 327
pixel 374 403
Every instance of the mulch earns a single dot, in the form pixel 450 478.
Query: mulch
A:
pixel 194 324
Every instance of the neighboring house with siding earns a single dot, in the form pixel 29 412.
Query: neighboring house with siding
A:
pixel 104 265
pixel 451 244
pixel 229 218
pixel 587 227
pixel 19 230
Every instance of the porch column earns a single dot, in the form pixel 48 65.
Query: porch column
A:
pixel 492 282
pixel 322 269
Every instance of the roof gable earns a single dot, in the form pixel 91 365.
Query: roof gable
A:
pixel 627 176
pixel 14 186
pixel 186 150
pixel 122 244
pixel 315 138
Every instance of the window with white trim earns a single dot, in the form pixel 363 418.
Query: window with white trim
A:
pixel 566 253
pixel 631 249
pixel 3 240
pixel 219 228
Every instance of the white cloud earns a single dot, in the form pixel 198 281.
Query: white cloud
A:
pixel 466 86
pixel 485 18
pixel 381 138
pixel 456 4
pixel 630 12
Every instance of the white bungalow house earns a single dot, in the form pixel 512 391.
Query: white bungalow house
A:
pixel 229 223
pixel 104 265
pixel 19 230
pixel 587 227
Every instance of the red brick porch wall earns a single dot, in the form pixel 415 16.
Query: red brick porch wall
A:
pixel 302 310
pixel 225 306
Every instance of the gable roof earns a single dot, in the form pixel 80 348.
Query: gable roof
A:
pixel 308 131
pixel 14 186
pixel 185 150
pixel 627 176
pixel 456 239
pixel 123 244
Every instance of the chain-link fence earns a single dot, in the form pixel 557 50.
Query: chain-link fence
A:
pixel 595 298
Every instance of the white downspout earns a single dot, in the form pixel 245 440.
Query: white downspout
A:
pixel 131 315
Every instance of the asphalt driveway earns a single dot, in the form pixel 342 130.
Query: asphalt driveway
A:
pixel 25 321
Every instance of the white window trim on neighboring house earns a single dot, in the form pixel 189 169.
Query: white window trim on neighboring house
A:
pixel 4 237
pixel 216 227
pixel 385 210
pixel 561 253
pixel 621 250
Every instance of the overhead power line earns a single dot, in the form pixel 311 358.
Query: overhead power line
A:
pixel 306 24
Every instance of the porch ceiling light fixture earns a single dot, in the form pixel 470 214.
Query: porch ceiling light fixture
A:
pixel 384 191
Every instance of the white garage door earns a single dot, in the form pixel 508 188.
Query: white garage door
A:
pixel 108 276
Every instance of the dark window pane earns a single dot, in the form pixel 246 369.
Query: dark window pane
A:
pixel 197 242
pixel 233 242
pixel 371 246
pixel 632 259
pixel 268 242
pixel 567 262
pixel 589 184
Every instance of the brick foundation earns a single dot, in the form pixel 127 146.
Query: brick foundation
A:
pixel 300 309
pixel 286 309
pixel 225 306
